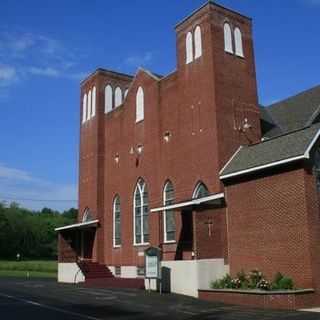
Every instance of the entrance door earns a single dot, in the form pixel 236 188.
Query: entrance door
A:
pixel 87 240
pixel 185 243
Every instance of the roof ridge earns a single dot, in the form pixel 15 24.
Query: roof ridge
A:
pixel 294 96
pixel 283 135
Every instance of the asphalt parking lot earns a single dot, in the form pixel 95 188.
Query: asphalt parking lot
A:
pixel 45 299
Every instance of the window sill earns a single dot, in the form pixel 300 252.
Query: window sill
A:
pixel 170 242
pixel 116 246
pixel 141 244
pixel 140 120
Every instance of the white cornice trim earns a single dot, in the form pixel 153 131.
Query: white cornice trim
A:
pixel 79 225
pixel 306 155
pixel 190 203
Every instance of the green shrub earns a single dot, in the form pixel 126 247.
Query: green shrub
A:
pixel 244 280
pixel 255 277
pixel 286 283
pixel 224 283
pixel 276 280
pixel 255 280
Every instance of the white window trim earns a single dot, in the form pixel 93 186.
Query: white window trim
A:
pixel 120 102
pixel 142 243
pixel 189 47
pixel 238 40
pixel 140 107
pixel 165 216
pixel 84 108
pixel 114 222
pixel 106 110
pixel 94 102
pixel 196 190
pixel 197 43
pixel 228 47
pixel 89 105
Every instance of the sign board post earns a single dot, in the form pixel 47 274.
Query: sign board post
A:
pixel 152 264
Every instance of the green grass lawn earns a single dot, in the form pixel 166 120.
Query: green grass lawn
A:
pixel 31 268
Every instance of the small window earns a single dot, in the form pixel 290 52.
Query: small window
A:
pixel 198 42
pixel 87 216
pixel 108 99
pixel 189 48
pixel 141 213
pixel 238 42
pixel 169 215
pixel 116 222
pixel 84 108
pixel 140 271
pixel 89 105
pixel 117 97
pixel 93 111
pixel 200 191
pixel 228 47
pixel 126 93
pixel 140 105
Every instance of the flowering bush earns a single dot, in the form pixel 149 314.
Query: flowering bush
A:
pixel 254 280
pixel 263 284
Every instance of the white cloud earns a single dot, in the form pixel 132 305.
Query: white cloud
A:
pixel 8 75
pixel 34 193
pixel 139 60
pixel 13 174
pixel 312 2
pixel 26 55
pixel 47 72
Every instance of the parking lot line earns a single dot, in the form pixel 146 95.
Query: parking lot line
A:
pixel 34 303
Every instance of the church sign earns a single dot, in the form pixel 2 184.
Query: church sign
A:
pixel 152 263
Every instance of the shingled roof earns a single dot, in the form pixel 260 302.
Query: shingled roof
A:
pixel 296 112
pixel 272 152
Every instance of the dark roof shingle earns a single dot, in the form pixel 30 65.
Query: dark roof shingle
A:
pixel 296 112
pixel 284 147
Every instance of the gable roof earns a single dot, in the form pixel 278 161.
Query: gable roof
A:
pixel 269 153
pixel 296 112
pixel 268 126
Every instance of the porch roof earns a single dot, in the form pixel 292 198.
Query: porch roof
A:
pixel 82 225
pixel 190 203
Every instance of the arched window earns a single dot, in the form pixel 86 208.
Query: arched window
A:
pixel 107 99
pixel 141 213
pixel 189 48
pixel 89 105
pixel 87 216
pixel 140 105
pixel 116 222
pixel 126 93
pixel 238 42
pixel 228 47
pixel 200 191
pixel 117 97
pixel 84 108
pixel 94 93
pixel 197 42
pixel 169 224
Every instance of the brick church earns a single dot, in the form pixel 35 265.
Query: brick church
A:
pixel 191 163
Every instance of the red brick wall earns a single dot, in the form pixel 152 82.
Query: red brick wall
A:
pixel 273 224
pixel 214 246
pixel 264 301
pixel 192 104
pixel 67 247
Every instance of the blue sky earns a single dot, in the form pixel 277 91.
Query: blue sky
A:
pixel 47 47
